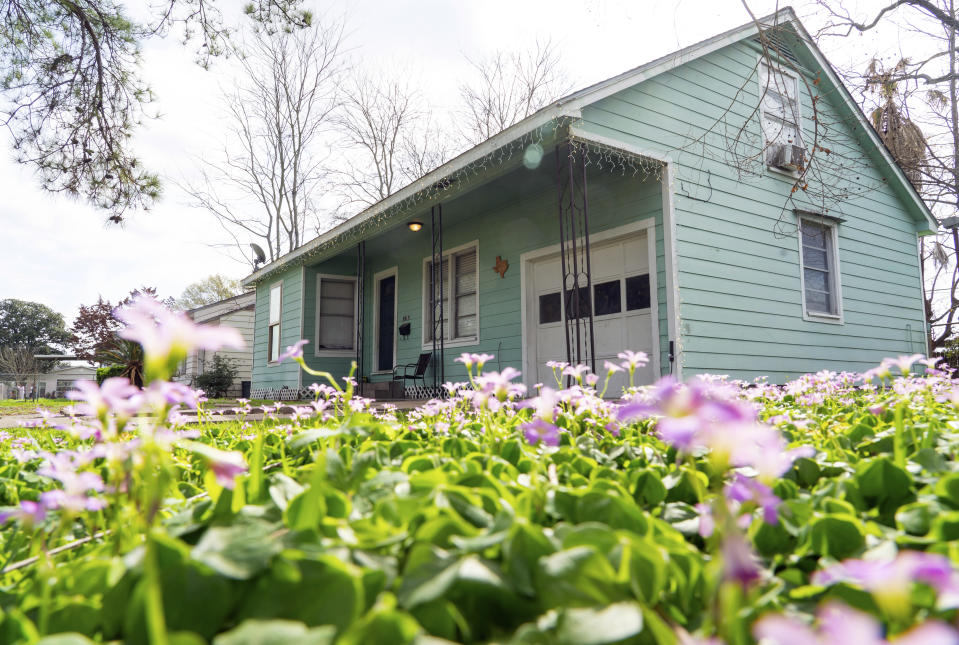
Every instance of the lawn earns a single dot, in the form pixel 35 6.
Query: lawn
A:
pixel 17 406
pixel 706 510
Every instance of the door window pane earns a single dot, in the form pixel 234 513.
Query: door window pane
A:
pixel 637 292
pixel 607 298
pixel 549 308
pixel 583 304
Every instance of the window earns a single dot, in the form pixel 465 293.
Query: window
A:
pixel 335 314
pixel 637 292
pixel 820 268
pixel 462 305
pixel 550 308
pixel 582 304
pixel 273 336
pixel 607 298
pixel 779 107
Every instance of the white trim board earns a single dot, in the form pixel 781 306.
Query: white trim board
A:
pixel 379 275
pixel 647 226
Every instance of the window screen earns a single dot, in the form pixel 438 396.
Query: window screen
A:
pixel 337 310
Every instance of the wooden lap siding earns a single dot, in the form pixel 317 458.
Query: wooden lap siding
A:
pixel 739 282
pixel 286 373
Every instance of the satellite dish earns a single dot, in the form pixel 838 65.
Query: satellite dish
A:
pixel 259 257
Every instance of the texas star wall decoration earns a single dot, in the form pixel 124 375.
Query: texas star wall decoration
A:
pixel 501 266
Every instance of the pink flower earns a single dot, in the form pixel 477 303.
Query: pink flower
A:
pixel 293 351
pixel 28 512
pixel 894 577
pixel 538 431
pixel 500 385
pixel 116 395
pixel 746 489
pixel 611 368
pixel 837 623
pixel 167 336
pixel 633 360
pixel 226 466
pixel 469 360
pixel 739 562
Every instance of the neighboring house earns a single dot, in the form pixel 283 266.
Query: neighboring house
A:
pixel 629 195
pixel 234 312
pixel 53 384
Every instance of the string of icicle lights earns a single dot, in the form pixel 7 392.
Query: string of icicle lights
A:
pixel 528 149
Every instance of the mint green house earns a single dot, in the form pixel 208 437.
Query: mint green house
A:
pixel 726 209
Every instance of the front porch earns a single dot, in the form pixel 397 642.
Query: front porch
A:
pixel 492 268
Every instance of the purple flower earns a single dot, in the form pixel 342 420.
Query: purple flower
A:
pixel 538 430
pixel 633 360
pixel 746 489
pixel 75 503
pixel 168 336
pixel 611 368
pixel 707 523
pixel 116 395
pixel 837 623
pixel 739 562
pixel 469 360
pixel 891 579
pixel 226 466
pixel 228 469
pixel 28 512
pixel 166 393
pixel 294 351
pixel 500 385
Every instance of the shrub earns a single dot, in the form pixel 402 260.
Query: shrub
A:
pixel 217 380
pixel 103 373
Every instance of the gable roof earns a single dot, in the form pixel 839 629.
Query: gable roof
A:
pixel 572 104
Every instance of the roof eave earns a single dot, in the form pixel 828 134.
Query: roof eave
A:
pixel 531 123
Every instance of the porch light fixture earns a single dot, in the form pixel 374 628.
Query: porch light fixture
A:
pixel 415 225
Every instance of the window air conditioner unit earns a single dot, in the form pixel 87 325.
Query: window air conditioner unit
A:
pixel 786 156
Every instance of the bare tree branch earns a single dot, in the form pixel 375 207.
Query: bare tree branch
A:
pixel 510 86
pixel 265 185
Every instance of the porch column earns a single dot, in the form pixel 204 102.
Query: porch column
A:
pixel 436 294
pixel 575 253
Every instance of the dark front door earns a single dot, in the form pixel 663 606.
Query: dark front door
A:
pixel 386 323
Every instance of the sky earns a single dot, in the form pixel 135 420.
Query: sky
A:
pixel 60 252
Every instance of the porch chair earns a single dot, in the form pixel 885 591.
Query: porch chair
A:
pixel 402 372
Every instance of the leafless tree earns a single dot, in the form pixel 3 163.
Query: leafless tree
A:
pixel 389 138
pixel 510 86
pixel 265 186
pixel 914 105
pixel 19 365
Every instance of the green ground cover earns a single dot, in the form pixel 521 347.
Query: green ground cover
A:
pixel 826 511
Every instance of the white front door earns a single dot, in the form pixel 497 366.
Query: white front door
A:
pixel 621 299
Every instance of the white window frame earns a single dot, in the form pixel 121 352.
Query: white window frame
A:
pixel 832 248
pixel 777 71
pixel 450 342
pixel 343 353
pixel 377 277
pixel 270 359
